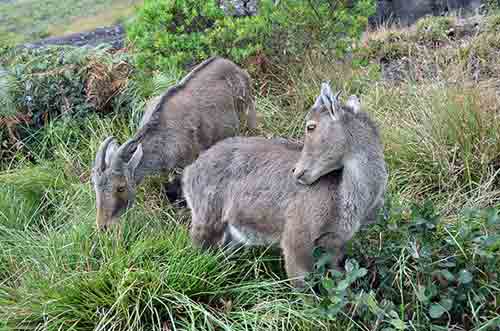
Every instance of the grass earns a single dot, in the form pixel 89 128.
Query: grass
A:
pixel 431 265
pixel 117 13
pixel 146 274
pixel 29 20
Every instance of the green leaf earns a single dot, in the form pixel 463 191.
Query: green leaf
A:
pixel 436 311
pixel 447 275
pixel 464 277
pixel 343 285
pixel 328 283
pixel 351 265
pixel 317 252
pixel 361 273
pixel 334 309
pixel 492 215
pixel 446 303
pixel 398 324
pixel 394 314
pixel 421 296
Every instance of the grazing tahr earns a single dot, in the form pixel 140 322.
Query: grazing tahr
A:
pixel 206 106
pixel 257 191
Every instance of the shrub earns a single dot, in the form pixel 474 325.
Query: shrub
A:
pixel 38 86
pixel 434 29
pixel 65 80
pixel 172 33
pixel 448 271
pixel 320 24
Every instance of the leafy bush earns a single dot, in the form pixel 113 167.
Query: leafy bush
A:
pixel 172 33
pixel 38 86
pixel 320 24
pixel 493 23
pixel 64 80
pixel 448 271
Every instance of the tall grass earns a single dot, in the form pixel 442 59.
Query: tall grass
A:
pixel 441 142
pixel 428 265
pixel 144 276
pixel 58 273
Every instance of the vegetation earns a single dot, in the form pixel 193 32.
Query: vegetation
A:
pixel 61 83
pixel 170 34
pixel 430 263
pixel 28 20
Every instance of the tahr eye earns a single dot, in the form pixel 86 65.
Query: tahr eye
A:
pixel 121 189
pixel 310 127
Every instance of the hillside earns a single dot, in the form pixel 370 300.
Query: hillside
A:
pixel 29 20
pixel 430 262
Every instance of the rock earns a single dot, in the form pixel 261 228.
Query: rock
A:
pixel 239 7
pixel 113 36
pixel 408 12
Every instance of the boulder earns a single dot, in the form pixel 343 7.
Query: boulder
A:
pixel 407 12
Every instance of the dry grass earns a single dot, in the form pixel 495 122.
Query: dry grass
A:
pixel 384 32
pixel 444 143
pixel 105 81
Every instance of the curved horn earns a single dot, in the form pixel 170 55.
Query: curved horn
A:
pixel 336 102
pixel 100 158
pixel 123 154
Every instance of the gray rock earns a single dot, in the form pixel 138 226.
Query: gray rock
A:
pixel 114 36
pixel 239 7
pixel 408 12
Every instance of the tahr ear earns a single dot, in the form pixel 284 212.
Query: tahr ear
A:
pixel 354 104
pixel 336 110
pixel 326 94
pixel 330 101
pixel 136 159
